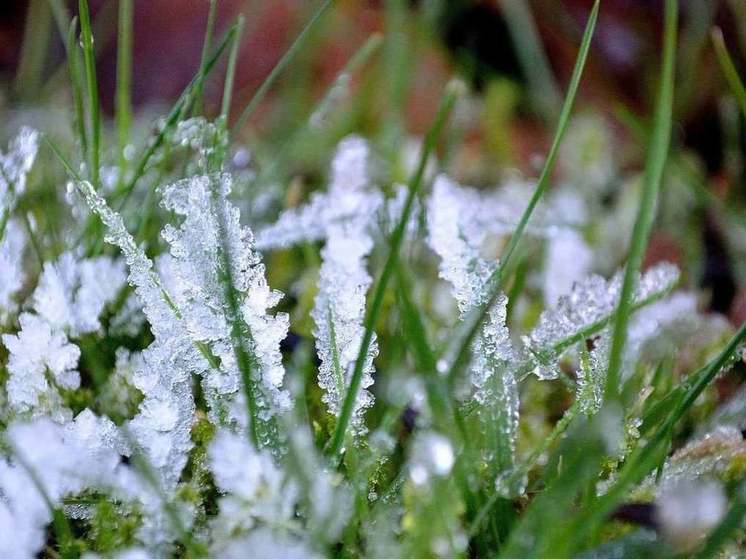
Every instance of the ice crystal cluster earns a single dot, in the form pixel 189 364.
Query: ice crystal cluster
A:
pixel 158 379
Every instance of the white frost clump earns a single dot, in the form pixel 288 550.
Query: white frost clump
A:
pixel 15 164
pixel 590 301
pixel 267 544
pixel 431 454
pixel 58 461
pixel 12 244
pixel 72 292
pixel 41 361
pixel 450 213
pixel 196 278
pixel 568 261
pixel 689 510
pixel 339 308
pixel 161 428
pixel 254 488
pixel 345 216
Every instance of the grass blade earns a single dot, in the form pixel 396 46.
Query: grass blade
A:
pixel 645 459
pixel 456 354
pixel 34 49
pixel 124 83
pixel 76 83
pixel 209 30
pixel 449 99
pixel 729 69
pixel 89 59
pixel 654 165
pixel 531 55
pixel 230 72
pixel 280 66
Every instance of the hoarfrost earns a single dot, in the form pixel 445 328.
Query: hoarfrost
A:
pixel 72 292
pixel 12 244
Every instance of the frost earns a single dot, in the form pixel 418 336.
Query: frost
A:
pixel 568 261
pixel 254 487
pixel 345 216
pixel 431 455
pixel 347 199
pixel 41 361
pixel 196 275
pixel 268 544
pixel 450 217
pixel 591 301
pixel 688 511
pixel 72 292
pixel 161 428
pixel 12 244
pixel 57 460
pixel 15 164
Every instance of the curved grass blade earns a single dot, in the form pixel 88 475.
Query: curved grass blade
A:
pixel 729 69
pixel 124 84
pixel 449 99
pixel 654 165
pixel 280 66
pixel 89 60
pixel 643 460
pixel 209 30
pixel 456 354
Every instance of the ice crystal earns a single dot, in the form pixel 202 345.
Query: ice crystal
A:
pixel 50 461
pixel 568 261
pixel 266 543
pixel 161 428
pixel 450 213
pixel 431 455
pixel 72 292
pixel 254 488
pixel 196 275
pixel 41 361
pixel 590 302
pixel 15 164
pixel 12 244
pixel 347 198
pixel 345 217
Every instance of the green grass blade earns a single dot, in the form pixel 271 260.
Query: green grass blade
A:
pixel 533 60
pixel 729 69
pixel 280 66
pixel 230 72
pixel 300 133
pixel 458 351
pixel 174 116
pixel 94 111
pixel 654 165
pixel 207 43
pixel 645 459
pixel 76 86
pixel 34 49
pixel 124 83
pixel 449 99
